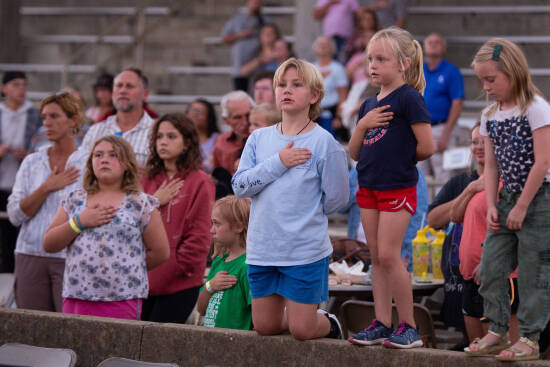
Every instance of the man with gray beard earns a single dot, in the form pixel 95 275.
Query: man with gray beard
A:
pixel 131 121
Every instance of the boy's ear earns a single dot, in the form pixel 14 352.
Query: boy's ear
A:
pixel 315 97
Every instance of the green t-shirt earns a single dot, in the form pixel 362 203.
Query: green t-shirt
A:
pixel 230 308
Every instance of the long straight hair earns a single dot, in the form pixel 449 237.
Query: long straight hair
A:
pixel 511 61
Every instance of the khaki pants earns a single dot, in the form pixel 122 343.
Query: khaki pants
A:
pixel 38 282
pixel 529 250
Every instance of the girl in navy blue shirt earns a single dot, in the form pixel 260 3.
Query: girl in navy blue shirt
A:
pixel 393 133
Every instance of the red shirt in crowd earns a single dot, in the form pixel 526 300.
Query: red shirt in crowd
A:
pixel 473 235
pixel 186 219
pixel 227 150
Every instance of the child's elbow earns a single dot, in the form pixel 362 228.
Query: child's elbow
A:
pixel 425 152
pixel 48 245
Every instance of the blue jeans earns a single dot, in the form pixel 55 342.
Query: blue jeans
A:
pixel 529 250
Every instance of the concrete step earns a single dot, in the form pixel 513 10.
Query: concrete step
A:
pixel 462 53
pixel 473 3
pixel 478 23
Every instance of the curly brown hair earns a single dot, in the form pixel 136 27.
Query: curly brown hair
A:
pixel 125 153
pixel 190 159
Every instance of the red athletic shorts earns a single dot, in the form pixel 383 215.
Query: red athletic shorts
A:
pixel 388 200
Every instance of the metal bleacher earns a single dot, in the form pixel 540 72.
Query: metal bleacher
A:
pixel 185 64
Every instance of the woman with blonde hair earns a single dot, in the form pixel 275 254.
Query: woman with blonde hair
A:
pixel 42 180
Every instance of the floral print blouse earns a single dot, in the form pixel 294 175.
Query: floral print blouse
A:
pixel 107 263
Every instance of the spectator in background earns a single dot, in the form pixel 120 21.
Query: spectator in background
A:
pixel 236 108
pixel 282 51
pixel 444 96
pixel 264 115
pixel 367 26
pixel 263 87
pixel 131 121
pixel 335 86
pixel 40 138
pixel 44 178
pixel 472 213
pixel 456 193
pixel 265 59
pixel 361 88
pixel 19 121
pixel 338 20
pixel 103 96
pixel 241 32
pixel 203 115
pixel 389 12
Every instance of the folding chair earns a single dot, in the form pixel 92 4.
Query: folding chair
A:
pixel 14 354
pixel 124 362
pixel 7 282
pixel 425 324
pixel 357 315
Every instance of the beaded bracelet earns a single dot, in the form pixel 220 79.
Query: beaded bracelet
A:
pixel 74 226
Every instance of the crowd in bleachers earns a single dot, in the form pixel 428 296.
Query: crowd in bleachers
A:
pixel 115 211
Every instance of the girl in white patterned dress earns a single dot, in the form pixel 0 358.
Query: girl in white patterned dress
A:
pixel 113 234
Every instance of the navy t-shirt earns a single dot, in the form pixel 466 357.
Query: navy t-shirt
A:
pixel 387 159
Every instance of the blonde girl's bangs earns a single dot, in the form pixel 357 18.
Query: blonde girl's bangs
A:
pixel 511 61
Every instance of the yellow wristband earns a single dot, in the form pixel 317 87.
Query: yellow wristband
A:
pixel 74 226
pixel 208 287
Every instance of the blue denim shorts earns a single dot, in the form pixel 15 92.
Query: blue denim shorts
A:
pixel 306 283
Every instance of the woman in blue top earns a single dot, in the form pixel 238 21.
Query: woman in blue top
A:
pixel 393 133
pixel 296 174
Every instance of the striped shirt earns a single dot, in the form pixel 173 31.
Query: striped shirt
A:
pixel 34 171
pixel 138 136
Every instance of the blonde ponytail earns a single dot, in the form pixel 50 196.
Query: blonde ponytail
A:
pixel 414 75
pixel 405 48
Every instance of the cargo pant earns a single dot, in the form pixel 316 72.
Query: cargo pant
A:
pixel 529 250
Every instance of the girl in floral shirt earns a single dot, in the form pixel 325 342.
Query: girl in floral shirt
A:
pixel 113 234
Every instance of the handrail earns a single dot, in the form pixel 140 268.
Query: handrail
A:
pixel 88 10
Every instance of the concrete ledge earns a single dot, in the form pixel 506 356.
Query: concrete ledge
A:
pixel 95 339
pixel 92 338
